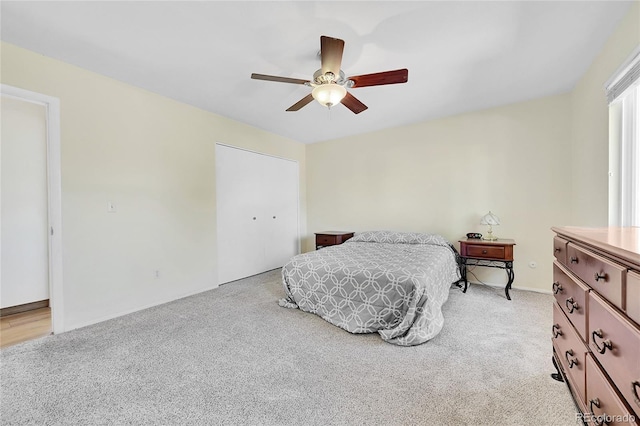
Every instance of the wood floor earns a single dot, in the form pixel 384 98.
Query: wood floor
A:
pixel 24 326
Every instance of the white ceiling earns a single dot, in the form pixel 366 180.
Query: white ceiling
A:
pixel 461 56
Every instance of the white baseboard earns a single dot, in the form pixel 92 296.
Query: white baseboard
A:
pixel 535 290
pixel 136 309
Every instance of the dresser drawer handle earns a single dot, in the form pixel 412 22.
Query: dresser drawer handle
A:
pixel 557 287
pixel 484 252
pixel 571 305
pixel 606 344
pixel 599 276
pixel 555 330
pixel 571 361
pixel 574 259
pixel 598 420
pixel 634 390
pixel 557 250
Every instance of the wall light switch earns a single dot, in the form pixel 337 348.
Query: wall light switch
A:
pixel 111 208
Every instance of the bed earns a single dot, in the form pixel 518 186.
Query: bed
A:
pixel 392 283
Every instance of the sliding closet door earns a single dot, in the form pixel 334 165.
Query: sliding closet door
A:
pixel 257 212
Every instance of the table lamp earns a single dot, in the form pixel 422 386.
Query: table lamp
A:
pixel 491 220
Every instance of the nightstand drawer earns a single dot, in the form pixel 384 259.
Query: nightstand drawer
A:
pixel 326 240
pixel 331 238
pixel 487 252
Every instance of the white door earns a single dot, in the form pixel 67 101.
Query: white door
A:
pixel 237 219
pixel 24 266
pixel 281 205
pixel 257 212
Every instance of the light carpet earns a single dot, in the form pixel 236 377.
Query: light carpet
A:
pixel 232 356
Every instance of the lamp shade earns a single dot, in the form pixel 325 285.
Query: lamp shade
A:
pixel 329 94
pixel 490 219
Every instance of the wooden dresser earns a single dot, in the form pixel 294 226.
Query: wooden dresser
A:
pixel 596 320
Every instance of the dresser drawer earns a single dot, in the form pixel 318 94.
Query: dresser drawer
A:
pixel 603 402
pixel 486 252
pixel 604 276
pixel 571 295
pixel 570 349
pixel 615 342
pixel 560 249
pixel 633 296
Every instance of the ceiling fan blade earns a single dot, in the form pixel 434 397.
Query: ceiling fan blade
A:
pixel 302 102
pixel 331 54
pixel 380 78
pixel 353 104
pixel 278 79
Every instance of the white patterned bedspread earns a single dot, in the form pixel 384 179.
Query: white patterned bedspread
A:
pixel 386 282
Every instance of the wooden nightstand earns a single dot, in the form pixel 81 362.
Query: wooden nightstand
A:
pixel 494 254
pixel 331 238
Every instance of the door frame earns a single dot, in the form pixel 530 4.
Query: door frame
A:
pixel 54 191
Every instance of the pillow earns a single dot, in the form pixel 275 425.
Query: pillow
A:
pixel 398 238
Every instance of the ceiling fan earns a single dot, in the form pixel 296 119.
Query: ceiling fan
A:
pixel 329 82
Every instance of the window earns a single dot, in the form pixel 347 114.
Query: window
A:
pixel 623 92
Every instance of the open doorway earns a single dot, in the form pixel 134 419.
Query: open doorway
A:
pixel 30 223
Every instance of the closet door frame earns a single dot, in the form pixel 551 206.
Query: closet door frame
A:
pixel 297 201
pixel 54 190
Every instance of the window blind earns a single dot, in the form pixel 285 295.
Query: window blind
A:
pixel 630 159
pixel 628 75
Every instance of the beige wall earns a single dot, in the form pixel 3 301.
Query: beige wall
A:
pixel 590 125
pixel 442 176
pixel 154 159
pixel 534 164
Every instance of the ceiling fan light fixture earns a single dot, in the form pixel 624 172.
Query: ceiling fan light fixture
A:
pixel 330 83
pixel 329 94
